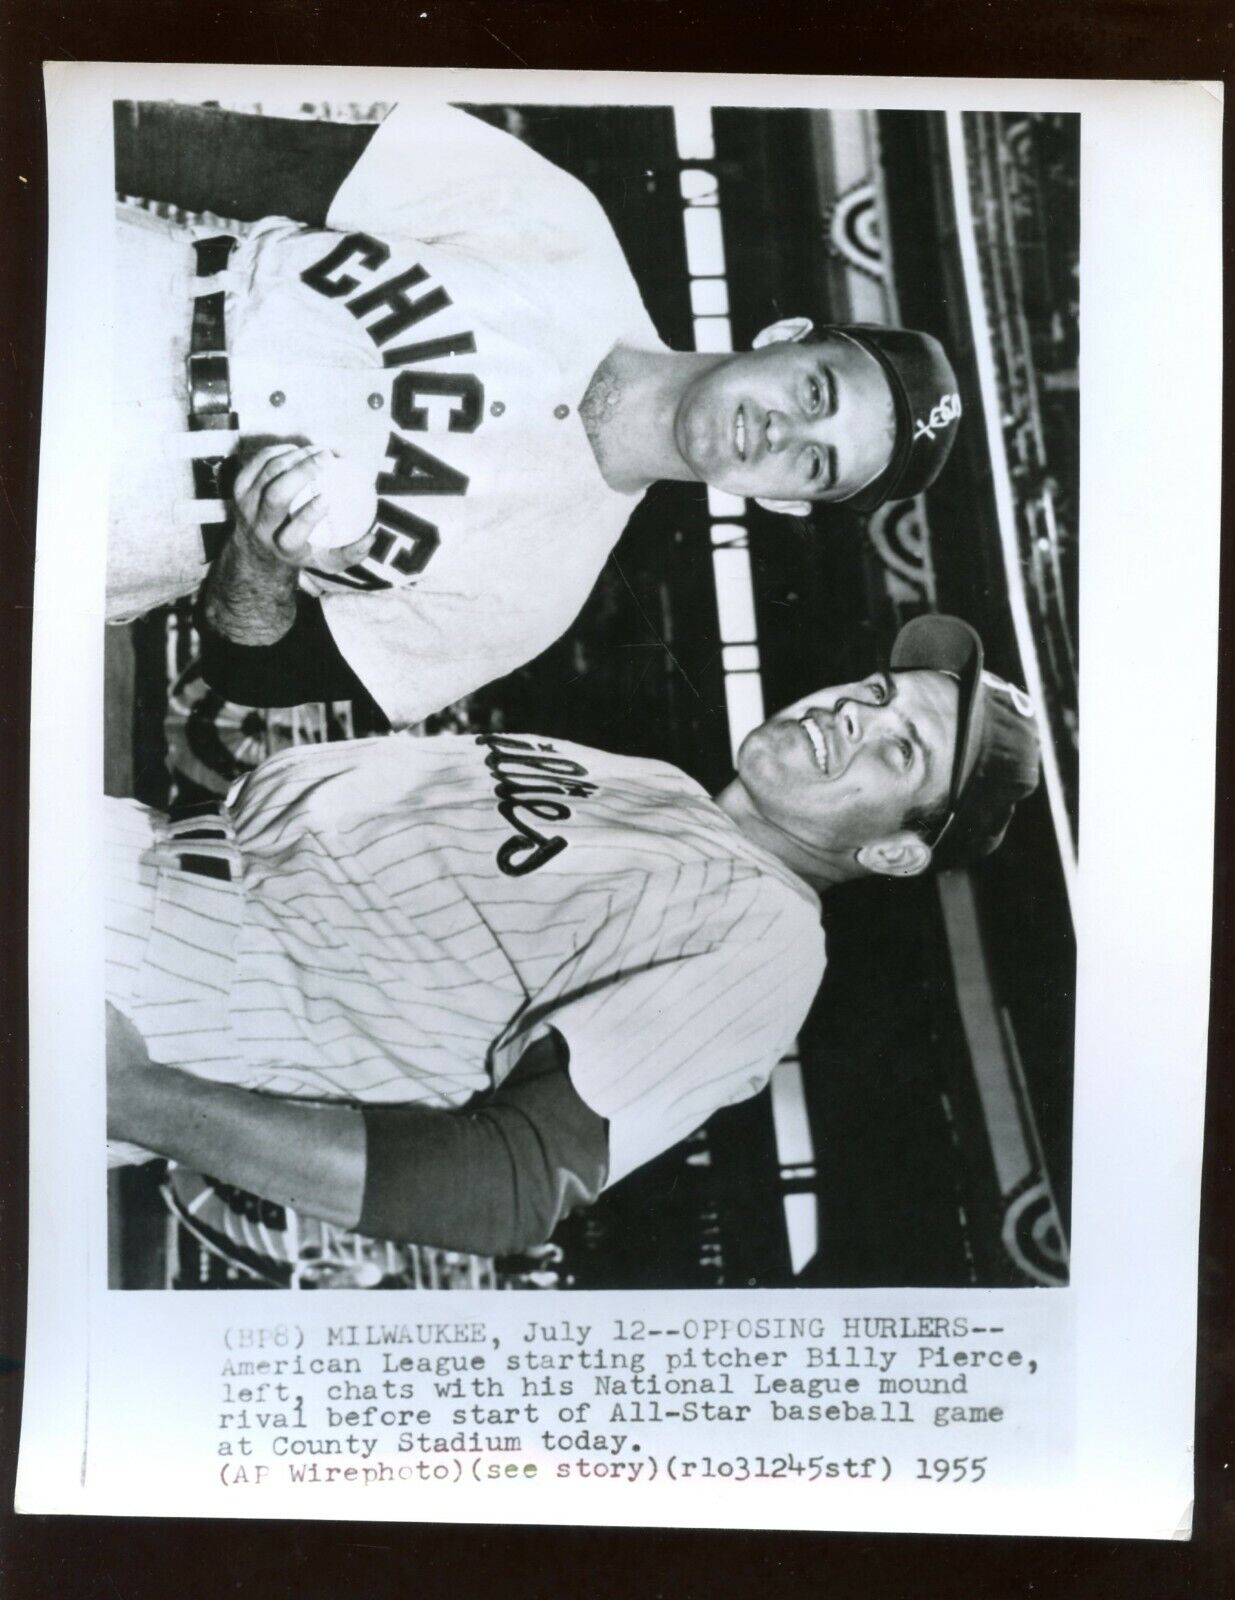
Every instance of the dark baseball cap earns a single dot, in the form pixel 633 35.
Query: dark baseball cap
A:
pixel 997 758
pixel 927 405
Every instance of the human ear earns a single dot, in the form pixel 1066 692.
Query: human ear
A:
pixel 789 330
pixel 785 508
pixel 899 855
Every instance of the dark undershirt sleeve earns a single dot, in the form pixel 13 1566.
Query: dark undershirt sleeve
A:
pixel 493 1178
pixel 306 663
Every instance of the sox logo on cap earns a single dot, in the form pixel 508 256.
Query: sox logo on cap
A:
pixel 946 410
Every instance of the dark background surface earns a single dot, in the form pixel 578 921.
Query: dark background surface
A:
pixel 48 1556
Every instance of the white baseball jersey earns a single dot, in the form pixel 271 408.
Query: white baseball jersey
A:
pixel 439 333
pixel 411 913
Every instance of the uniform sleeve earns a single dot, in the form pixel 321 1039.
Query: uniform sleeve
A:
pixel 435 173
pixel 492 1179
pixel 662 1046
pixel 305 664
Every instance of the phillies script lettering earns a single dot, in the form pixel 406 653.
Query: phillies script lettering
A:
pixel 404 543
pixel 527 775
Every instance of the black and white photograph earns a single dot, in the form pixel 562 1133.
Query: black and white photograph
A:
pixel 591 696
pixel 623 708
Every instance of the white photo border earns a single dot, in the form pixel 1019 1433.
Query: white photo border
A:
pixel 1151 430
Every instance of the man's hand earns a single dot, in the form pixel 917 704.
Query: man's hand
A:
pixel 278 504
pixel 249 596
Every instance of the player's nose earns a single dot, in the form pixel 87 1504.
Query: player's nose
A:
pixel 777 431
pixel 856 721
pixel 784 429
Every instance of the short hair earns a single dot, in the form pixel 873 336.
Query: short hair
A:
pixel 927 820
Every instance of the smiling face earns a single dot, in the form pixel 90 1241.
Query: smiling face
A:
pixel 789 422
pixel 843 768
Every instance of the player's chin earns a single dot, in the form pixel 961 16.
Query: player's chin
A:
pixel 699 447
pixel 761 756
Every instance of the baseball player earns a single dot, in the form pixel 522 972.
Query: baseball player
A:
pixel 447 989
pixel 395 451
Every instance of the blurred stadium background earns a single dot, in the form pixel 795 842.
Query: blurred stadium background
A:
pixel 921 1133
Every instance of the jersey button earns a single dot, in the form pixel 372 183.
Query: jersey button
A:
pixel 561 411
pixel 497 408
pixel 277 398
pixel 376 402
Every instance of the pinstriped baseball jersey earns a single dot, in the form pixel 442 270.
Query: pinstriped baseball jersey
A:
pixel 412 913
pixel 439 334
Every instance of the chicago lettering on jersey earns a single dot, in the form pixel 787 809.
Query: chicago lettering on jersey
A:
pixel 404 543
pixel 525 771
